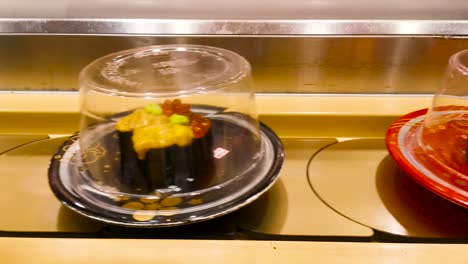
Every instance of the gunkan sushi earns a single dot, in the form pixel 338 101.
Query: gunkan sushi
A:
pixel 162 145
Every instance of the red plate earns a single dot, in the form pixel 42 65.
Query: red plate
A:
pixel 401 140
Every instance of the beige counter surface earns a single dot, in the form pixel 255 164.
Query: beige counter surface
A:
pixel 46 250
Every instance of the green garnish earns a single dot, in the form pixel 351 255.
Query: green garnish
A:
pixel 154 109
pixel 179 119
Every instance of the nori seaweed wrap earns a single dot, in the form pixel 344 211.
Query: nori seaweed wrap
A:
pixel 164 145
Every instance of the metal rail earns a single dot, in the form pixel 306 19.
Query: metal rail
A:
pixel 232 27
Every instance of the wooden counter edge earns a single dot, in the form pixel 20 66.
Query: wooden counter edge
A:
pixel 56 250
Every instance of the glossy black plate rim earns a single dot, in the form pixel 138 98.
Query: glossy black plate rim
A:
pixel 100 214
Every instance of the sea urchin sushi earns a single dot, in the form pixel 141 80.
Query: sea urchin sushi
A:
pixel 164 145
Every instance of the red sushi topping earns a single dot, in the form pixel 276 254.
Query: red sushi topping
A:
pixel 199 124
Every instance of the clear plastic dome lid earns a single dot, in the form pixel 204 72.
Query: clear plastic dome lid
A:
pixel 170 70
pixel 168 133
pixel 443 137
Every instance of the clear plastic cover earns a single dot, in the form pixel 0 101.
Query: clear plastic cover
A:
pixel 168 129
pixel 443 137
